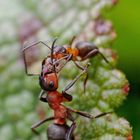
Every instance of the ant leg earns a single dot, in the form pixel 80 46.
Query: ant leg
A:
pixel 82 68
pixel 95 52
pixel 84 114
pixel 87 115
pixel 65 57
pixel 75 80
pixel 72 127
pixel 104 58
pixel 23 51
pixel 78 65
pixel 90 54
pixel 40 123
pixel 85 82
pixel 67 60
pixel 41 96
pixel 70 132
pixel 36 43
pixel 103 114
pixel 66 96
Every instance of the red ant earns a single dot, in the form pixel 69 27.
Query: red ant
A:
pixel 48 81
pixel 79 52
pixel 82 50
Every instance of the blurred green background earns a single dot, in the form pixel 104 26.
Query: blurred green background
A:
pixel 126 20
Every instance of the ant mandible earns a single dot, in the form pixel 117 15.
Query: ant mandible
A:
pixel 48 81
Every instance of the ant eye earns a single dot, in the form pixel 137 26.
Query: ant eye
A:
pixel 51 84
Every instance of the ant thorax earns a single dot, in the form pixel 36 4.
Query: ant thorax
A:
pixel 73 51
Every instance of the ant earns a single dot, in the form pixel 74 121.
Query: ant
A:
pixel 82 50
pixel 48 81
pixel 79 52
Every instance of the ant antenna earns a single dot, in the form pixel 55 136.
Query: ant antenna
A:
pixel 72 40
pixel 52 53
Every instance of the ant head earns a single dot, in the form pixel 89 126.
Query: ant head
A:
pixel 48 79
pixel 59 50
pixel 49 82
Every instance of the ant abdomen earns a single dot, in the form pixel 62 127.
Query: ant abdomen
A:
pixel 58 132
pixel 86 49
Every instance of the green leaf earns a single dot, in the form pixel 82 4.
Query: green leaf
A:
pixel 107 87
